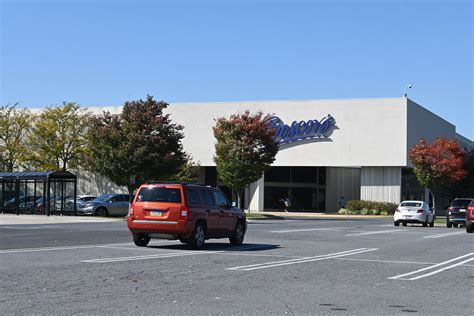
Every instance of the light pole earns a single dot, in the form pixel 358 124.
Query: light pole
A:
pixel 405 94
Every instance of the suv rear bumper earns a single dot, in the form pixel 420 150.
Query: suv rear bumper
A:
pixel 181 228
pixel 455 219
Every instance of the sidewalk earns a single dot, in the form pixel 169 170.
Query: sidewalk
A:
pixel 320 215
pixel 12 219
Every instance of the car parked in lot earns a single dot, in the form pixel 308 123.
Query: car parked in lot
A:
pixel 417 212
pixel 188 212
pixel 105 205
pixel 470 217
pixel 457 212
pixel 79 199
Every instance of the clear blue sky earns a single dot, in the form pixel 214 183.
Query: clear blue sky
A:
pixel 106 52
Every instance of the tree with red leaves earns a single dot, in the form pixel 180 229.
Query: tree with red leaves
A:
pixel 245 149
pixel 439 163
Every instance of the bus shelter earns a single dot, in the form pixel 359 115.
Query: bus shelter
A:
pixel 45 193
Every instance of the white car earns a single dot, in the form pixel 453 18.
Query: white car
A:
pixel 413 212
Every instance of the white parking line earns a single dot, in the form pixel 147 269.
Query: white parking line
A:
pixel 301 260
pixel 307 230
pixel 157 256
pixel 445 264
pixel 22 250
pixel 444 235
pixel 376 232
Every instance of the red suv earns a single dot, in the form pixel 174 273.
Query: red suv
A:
pixel 470 217
pixel 188 212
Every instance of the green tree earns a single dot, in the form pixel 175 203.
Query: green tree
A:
pixel 15 126
pixel 58 140
pixel 245 149
pixel 438 164
pixel 140 143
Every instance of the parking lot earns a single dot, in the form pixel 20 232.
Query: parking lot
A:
pixel 294 267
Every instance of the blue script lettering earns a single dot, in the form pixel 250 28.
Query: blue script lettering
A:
pixel 300 130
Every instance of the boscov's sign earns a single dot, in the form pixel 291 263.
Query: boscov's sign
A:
pixel 302 130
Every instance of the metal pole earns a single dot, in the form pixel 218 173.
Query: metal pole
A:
pixel 44 198
pixel 75 195
pixel 3 196
pixel 17 202
pixel 34 196
pixel 62 197
pixel 26 193
pixel 48 197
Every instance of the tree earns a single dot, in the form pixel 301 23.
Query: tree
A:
pixel 438 164
pixel 15 126
pixel 140 144
pixel 58 140
pixel 245 149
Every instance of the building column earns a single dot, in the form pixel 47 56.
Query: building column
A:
pixel 256 190
pixel 381 184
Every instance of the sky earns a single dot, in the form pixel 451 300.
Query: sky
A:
pixel 104 52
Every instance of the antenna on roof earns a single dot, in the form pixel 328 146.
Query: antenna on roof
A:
pixel 405 94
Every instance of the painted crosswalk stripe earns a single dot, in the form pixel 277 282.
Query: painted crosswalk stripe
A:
pixel 437 268
pixel 376 232
pixel 307 230
pixel 444 235
pixel 301 260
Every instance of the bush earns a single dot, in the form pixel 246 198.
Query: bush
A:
pixel 369 207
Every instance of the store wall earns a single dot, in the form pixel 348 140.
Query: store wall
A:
pixel 382 184
pixel 368 132
pixel 341 182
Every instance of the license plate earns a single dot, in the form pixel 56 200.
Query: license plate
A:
pixel 462 210
pixel 156 213
pixel 407 216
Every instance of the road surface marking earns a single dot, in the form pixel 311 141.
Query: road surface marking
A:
pixel 445 264
pixel 22 250
pixel 307 230
pixel 301 260
pixel 444 235
pixel 376 232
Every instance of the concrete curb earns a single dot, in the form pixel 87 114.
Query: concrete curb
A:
pixel 321 215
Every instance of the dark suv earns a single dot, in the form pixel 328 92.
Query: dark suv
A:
pixel 457 212
pixel 190 213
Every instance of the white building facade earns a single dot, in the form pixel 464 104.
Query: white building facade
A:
pixel 340 149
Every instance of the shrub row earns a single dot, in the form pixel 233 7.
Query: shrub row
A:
pixel 360 207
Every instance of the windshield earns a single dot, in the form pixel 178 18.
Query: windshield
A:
pixel 460 203
pixel 104 198
pixel 411 204
pixel 159 195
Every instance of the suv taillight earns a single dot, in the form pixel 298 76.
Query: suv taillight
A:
pixel 184 213
pixel 132 209
pixel 397 211
pixel 420 210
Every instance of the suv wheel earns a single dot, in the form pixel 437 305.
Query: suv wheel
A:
pixel 455 225
pixel 198 237
pixel 449 225
pixel 404 224
pixel 432 223
pixel 141 240
pixel 101 211
pixel 238 236
pixel 469 228
pixel 397 223
pixel 425 224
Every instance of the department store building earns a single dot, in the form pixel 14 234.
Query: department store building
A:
pixel 329 149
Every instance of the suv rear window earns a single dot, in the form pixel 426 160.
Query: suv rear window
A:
pixel 154 194
pixel 461 203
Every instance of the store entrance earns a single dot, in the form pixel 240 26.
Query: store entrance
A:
pixel 305 187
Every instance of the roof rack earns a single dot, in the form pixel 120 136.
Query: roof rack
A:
pixel 174 182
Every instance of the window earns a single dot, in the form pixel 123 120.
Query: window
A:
pixel 193 197
pixel 221 199
pixel 207 197
pixel 411 204
pixel 157 194
pixel 125 198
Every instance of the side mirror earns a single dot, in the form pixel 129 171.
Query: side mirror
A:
pixel 234 204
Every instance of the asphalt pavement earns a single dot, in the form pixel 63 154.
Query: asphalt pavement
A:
pixel 285 267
